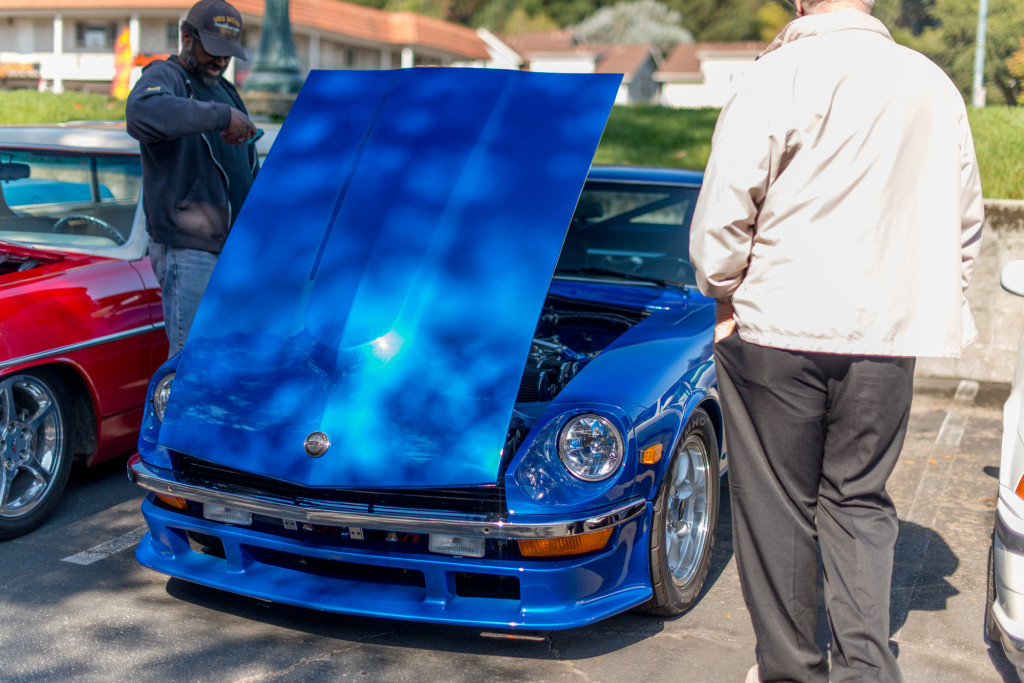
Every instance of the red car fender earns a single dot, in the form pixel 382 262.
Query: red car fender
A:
pixel 97 318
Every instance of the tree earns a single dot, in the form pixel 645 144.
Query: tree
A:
pixel 571 12
pixel 917 15
pixel 771 17
pixel 519 22
pixel 507 16
pixel 1015 65
pixel 951 43
pixel 720 20
pixel 429 8
pixel 634 23
pixel 463 11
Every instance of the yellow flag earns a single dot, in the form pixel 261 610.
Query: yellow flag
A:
pixel 121 85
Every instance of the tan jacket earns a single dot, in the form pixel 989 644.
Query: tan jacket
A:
pixel 841 210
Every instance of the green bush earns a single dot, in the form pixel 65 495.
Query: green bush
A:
pixel 638 135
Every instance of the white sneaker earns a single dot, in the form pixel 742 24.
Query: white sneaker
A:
pixel 752 675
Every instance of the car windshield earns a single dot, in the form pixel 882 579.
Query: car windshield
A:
pixel 631 232
pixel 65 199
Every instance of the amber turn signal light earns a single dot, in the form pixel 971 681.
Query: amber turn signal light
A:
pixel 560 547
pixel 651 454
pixel 173 501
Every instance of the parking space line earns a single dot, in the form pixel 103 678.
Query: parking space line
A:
pixel 951 432
pixel 967 390
pixel 105 550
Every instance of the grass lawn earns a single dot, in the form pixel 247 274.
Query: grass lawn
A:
pixel 999 142
pixel 640 134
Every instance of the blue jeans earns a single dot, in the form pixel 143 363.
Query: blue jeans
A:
pixel 183 276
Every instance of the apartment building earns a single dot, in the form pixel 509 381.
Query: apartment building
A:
pixel 69 44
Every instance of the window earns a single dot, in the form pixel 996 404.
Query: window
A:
pixel 68 199
pixel 172 33
pixel 95 35
pixel 636 231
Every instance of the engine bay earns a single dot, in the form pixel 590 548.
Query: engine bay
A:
pixel 569 333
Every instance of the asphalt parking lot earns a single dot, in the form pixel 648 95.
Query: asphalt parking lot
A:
pixel 74 604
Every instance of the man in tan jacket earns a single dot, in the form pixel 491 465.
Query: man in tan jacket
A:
pixel 837 229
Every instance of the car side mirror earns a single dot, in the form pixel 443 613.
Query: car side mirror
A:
pixel 12 170
pixel 1012 277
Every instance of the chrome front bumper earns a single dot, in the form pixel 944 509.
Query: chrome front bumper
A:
pixel 410 521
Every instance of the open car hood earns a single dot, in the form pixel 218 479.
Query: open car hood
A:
pixel 382 283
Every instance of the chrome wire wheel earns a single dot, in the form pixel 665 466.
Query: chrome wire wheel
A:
pixel 686 512
pixel 34 460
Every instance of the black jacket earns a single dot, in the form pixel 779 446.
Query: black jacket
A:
pixel 185 190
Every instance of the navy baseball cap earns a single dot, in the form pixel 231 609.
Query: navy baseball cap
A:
pixel 219 26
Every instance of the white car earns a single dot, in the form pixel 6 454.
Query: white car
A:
pixel 1004 615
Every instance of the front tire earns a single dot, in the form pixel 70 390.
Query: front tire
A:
pixel 685 520
pixel 35 449
pixel 991 628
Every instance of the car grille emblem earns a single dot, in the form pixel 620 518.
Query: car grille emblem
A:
pixel 317 444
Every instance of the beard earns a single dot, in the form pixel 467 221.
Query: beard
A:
pixel 188 58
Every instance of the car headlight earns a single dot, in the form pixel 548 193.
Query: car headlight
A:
pixel 161 394
pixel 591 447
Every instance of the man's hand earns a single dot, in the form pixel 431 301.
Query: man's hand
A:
pixel 240 129
pixel 724 321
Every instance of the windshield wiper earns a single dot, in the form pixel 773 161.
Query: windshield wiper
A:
pixel 621 275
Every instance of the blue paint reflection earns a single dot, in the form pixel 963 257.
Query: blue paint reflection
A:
pixel 383 281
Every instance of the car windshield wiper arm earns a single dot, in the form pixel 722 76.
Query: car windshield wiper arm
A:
pixel 619 274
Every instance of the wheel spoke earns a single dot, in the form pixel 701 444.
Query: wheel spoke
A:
pixel 674 554
pixel 6 479
pixel 685 492
pixel 43 408
pixel 38 472
pixel 682 468
pixel 6 403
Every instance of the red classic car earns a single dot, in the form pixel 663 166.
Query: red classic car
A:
pixel 81 325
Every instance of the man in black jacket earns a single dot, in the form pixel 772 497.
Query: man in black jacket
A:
pixel 196 165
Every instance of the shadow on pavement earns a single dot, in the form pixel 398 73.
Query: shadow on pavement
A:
pixel 922 565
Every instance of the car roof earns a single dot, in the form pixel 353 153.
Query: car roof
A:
pixel 645 174
pixel 92 136
pixel 99 136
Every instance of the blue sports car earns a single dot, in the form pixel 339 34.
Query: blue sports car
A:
pixel 445 370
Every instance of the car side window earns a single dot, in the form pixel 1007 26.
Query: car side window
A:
pixel 69 199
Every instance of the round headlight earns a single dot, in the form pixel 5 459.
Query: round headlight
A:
pixel 590 447
pixel 161 394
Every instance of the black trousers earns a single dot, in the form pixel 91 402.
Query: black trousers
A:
pixel 812 439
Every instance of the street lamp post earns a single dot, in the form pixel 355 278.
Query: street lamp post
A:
pixel 275 79
pixel 978 91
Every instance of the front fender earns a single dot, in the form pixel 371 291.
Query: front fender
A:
pixel 150 450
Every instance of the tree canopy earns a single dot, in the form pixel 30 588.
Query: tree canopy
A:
pixel 639 22
pixel 944 30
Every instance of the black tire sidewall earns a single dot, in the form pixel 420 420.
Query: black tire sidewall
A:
pixel 991 629
pixel 669 596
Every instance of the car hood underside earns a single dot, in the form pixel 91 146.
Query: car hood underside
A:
pixel 383 281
